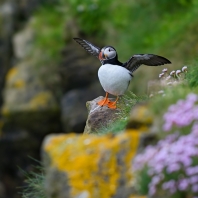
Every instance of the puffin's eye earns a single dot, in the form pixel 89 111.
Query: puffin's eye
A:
pixel 109 50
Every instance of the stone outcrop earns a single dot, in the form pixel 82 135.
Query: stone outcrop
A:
pixel 140 119
pixel 99 117
pixel 89 166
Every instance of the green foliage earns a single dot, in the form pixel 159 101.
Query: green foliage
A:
pixel 89 15
pixel 132 27
pixel 143 180
pixel 171 6
pixel 49 38
pixel 192 75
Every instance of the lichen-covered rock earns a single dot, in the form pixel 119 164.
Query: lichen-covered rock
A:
pixel 27 101
pixel 73 109
pixel 99 117
pixel 89 166
pixel 140 117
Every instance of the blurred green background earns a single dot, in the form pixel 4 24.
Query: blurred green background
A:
pixel 46 78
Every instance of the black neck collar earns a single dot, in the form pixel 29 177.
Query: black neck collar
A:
pixel 113 61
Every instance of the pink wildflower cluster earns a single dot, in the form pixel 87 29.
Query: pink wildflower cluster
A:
pixel 173 155
pixel 172 164
pixel 183 113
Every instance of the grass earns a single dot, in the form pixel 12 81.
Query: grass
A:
pixel 34 187
pixel 125 104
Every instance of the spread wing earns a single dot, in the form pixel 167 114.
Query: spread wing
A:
pixel 89 47
pixel 147 59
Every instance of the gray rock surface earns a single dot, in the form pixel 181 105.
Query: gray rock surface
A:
pixel 74 112
pixel 23 41
pixel 99 117
pixel 78 69
pixel 26 101
pixel 7 24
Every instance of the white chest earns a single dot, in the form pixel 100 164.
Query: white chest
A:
pixel 114 79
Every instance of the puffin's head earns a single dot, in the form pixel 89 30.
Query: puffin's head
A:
pixel 107 53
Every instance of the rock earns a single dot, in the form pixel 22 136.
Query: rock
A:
pixel 23 42
pixel 99 117
pixel 89 166
pixel 74 112
pixel 29 112
pixel 7 23
pixel 27 101
pixel 2 190
pixel 78 69
pixel 16 145
pixel 140 117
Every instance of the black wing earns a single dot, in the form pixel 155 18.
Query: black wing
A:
pixel 89 47
pixel 147 59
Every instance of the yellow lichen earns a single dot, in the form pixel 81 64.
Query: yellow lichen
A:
pixel 41 100
pixel 11 73
pixel 143 114
pixel 5 111
pixel 91 161
pixel 19 84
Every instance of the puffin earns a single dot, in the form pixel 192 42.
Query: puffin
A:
pixel 115 76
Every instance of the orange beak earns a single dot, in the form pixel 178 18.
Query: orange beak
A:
pixel 101 56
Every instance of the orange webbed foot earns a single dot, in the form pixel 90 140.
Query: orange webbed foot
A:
pixel 112 105
pixel 104 102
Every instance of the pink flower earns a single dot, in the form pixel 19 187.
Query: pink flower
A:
pixel 173 167
pixel 194 179
pixel 195 188
pixel 183 184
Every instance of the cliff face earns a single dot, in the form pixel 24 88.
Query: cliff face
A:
pixel 33 82
pixel 16 142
